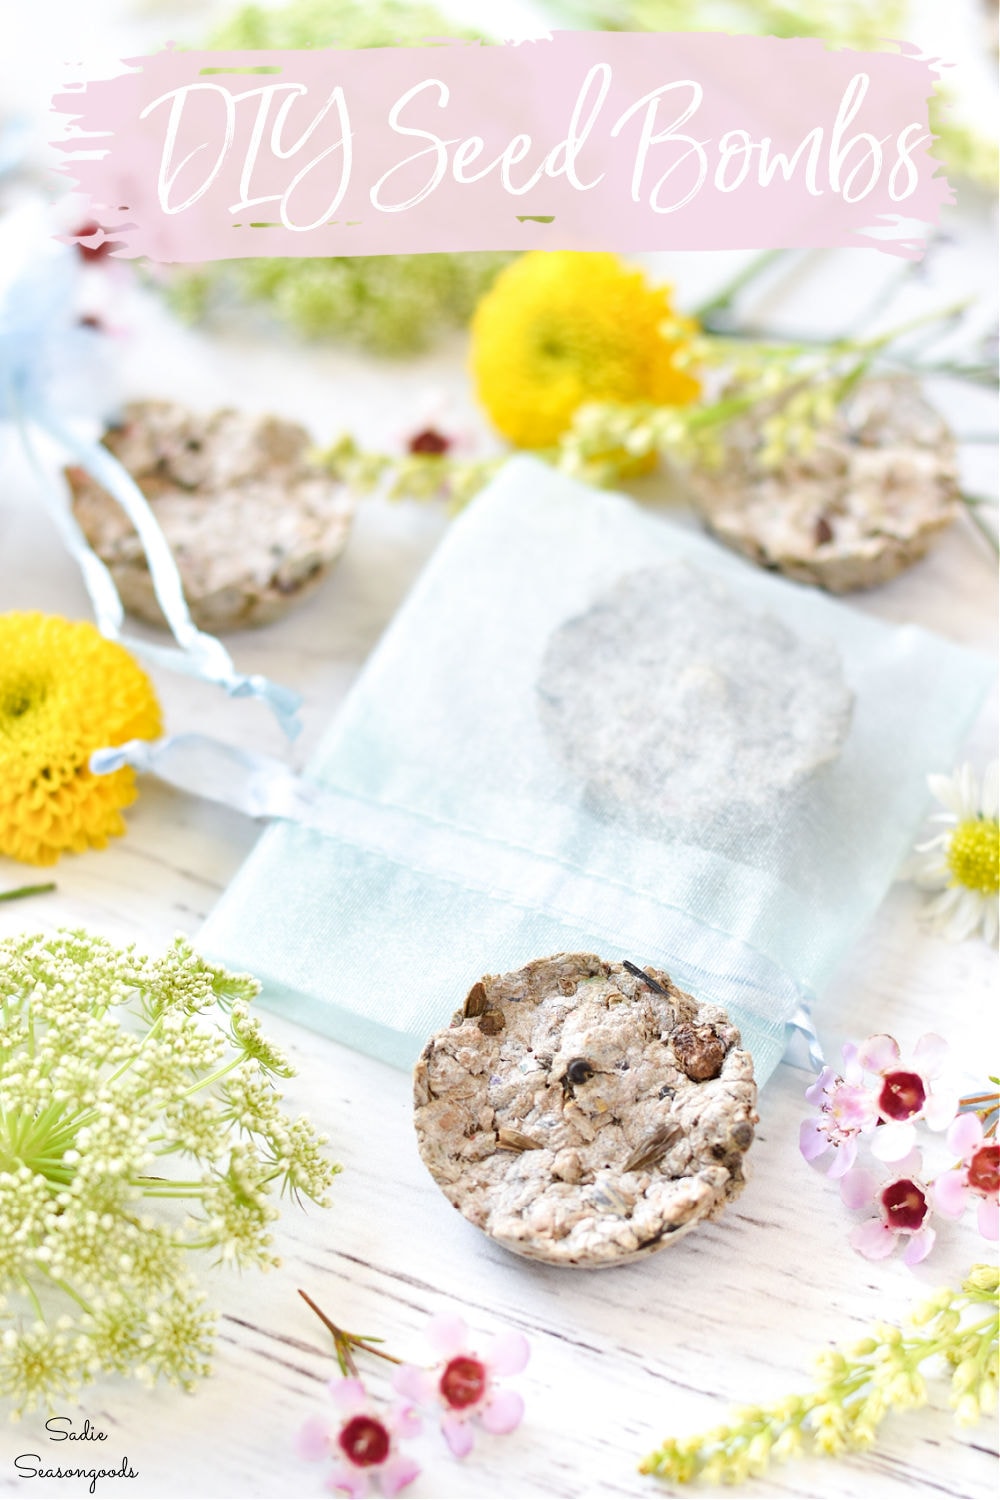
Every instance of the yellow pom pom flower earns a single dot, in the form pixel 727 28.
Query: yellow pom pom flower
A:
pixel 65 691
pixel 560 328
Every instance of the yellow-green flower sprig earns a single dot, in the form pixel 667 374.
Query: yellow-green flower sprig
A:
pixel 410 476
pixel 799 395
pixel 139 1124
pixel 856 1389
pixel 794 388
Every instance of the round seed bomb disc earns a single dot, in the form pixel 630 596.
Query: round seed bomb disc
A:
pixel 675 704
pixel 253 521
pixel 585 1113
pixel 867 500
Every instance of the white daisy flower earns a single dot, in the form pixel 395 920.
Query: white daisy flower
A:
pixel 962 863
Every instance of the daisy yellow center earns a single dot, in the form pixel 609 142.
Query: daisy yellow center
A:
pixel 974 855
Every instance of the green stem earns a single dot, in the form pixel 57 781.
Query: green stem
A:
pixel 344 1342
pixel 723 299
pixel 169 1190
pixel 33 1295
pixel 52 1170
pixel 69 1291
pixel 851 379
pixel 979 374
pixel 879 341
pixel 972 511
pixel 976 374
pixel 130 1060
pixel 884 299
pixel 204 1083
pixel 27 890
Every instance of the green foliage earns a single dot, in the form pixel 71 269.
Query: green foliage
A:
pixel 392 304
pixel 139 1124
pixel 851 23
pixel 332 23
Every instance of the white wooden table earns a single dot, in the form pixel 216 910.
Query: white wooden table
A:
pixel 620 1359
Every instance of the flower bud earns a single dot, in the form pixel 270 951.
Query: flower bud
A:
pixel 788 1444
pixel 965 1376
pixel 759 1452
pixel 967 1411
pixel 982 1279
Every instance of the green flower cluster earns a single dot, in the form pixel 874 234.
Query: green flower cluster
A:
pixel 856 1390
pixel 392 304
pixel 138 1123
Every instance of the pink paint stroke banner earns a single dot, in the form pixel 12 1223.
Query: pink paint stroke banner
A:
pixel 585 140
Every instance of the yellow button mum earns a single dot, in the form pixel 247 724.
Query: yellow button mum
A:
pixel 65 691
pixel 560 328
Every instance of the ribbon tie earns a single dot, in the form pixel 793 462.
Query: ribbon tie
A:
pixel 42 348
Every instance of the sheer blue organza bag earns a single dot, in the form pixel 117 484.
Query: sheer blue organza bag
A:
pixel 588 729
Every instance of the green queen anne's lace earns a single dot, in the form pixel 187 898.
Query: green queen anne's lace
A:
pixel 139 1123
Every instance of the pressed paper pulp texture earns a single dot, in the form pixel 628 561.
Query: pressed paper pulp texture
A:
pixel 471 845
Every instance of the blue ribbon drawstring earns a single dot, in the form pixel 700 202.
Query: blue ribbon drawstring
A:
pixel 800 1024
pixel 38 341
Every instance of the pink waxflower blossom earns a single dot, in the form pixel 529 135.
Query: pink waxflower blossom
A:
pixel 978 1176
pixel 437 428
pixel 847 1109
pixel 904 1211
pixel 364 1443
pixel 907 1092
pixel 463 1384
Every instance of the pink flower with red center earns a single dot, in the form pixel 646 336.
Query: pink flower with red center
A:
pixel 904 1211
pixel 463 1384
pixel 847 1109
pixel 365 1445
pixel 430 442
pixel 438 429
pixel 907 1092
pixel 977 1177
